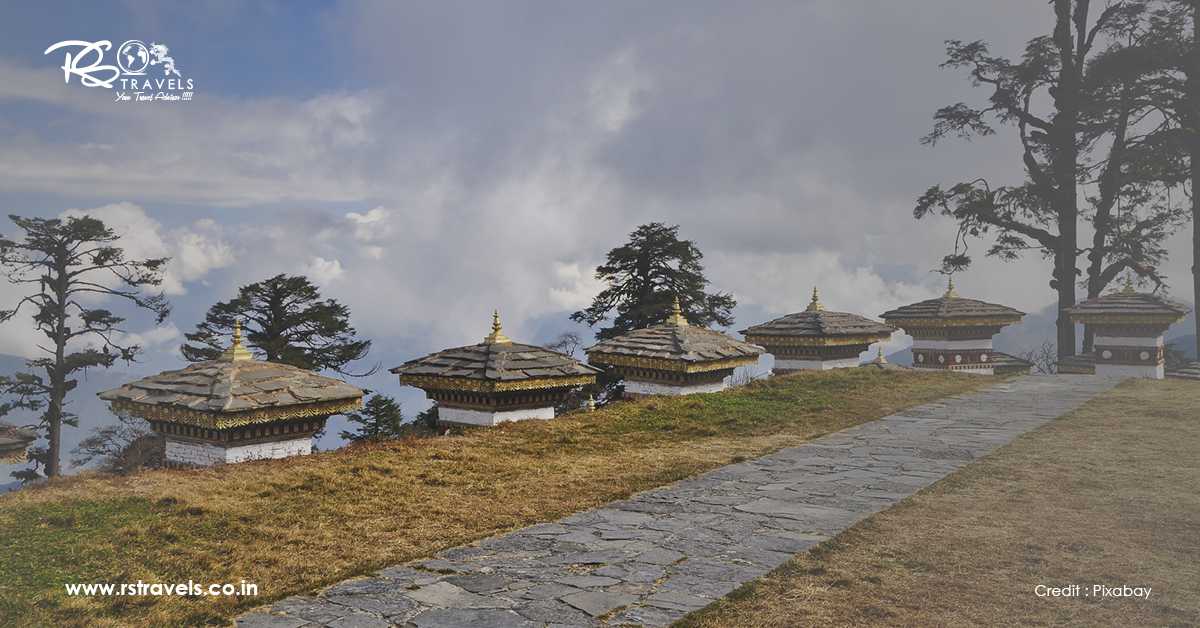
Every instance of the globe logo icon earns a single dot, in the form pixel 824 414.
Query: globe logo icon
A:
pixel 133 57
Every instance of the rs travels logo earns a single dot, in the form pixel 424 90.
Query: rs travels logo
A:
pixel 143 73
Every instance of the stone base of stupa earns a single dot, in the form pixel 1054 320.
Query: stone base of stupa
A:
pixel 1188 371
pixel 195 446
pixel 198 453
pixel 635 389
pixel 785 366
pixel 1130 356
pixel 1157 371
pixel 970 370
pixel 491 418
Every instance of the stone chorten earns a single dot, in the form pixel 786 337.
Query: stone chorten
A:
pixel 1129 328
pixel 817 339
pixel 495 381
pixel 14 441
pixel 674 357
pixel 952 333
pixel 235 408
pixel 880 363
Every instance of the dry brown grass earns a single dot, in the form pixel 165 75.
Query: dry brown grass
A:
pixel 1106 495
pixel 294 525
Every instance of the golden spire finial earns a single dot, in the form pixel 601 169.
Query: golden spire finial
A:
pixel 951 293
pixel 815 304
pixel 880 359
pixel 676 316
pixel 497 336
pixel 236 352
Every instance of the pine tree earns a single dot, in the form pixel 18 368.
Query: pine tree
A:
pixel 286 321
pixel 380 418
pixel 69 264
pixel 644 275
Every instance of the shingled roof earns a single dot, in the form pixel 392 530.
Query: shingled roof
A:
pixel 1003 362
pixel 1128 304
pixel 1188 371
pixel 495 365
pixel 817 322
pixel 675 341
pixel 232 390
pixel 953 308
pixel 13 442
pixel 881 363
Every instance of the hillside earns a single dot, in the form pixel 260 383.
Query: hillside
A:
pixel 297 524
pixel 984 538
pixel 1187 344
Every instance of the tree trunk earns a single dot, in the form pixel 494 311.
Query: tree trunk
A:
pixel 58 378
pixel 1110 194
pixel 1193 88
pixel 1065 162
pixel 54 415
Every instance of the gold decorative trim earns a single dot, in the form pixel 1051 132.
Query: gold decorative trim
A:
pixel 1126 319
pixel 664 364
pixel 766 340
pixel 14 457
pixel 223 420
pixel 994 321
pixel 491 386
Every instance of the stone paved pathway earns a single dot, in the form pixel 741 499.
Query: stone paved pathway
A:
pixel 653 558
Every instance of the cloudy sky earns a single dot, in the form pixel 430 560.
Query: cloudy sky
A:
pixel 427 162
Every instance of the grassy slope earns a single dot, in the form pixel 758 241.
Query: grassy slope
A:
pixel 1106 495
pixel 294 525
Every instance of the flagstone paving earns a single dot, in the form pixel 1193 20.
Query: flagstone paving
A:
pixel 661 554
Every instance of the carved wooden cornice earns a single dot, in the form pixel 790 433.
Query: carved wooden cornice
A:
pixel 225 420
pixel 434 382
pixel 768 341
pixel 676 366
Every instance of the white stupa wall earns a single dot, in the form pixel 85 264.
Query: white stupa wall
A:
pixel 202 454
pixel 486 418
pixel 1143 356
pixel 654 388
pixel 815 365
pixel 978 344
pixel 1157 371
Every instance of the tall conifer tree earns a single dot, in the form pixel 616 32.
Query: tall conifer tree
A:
pixel 68 266
pixel 644 275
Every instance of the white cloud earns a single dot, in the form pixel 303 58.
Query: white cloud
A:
pixel 370 226
pixel 615 91
pixel 574 286
pixel 194 251
pixel 461 185
pixel 324 271
pixel 157 338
